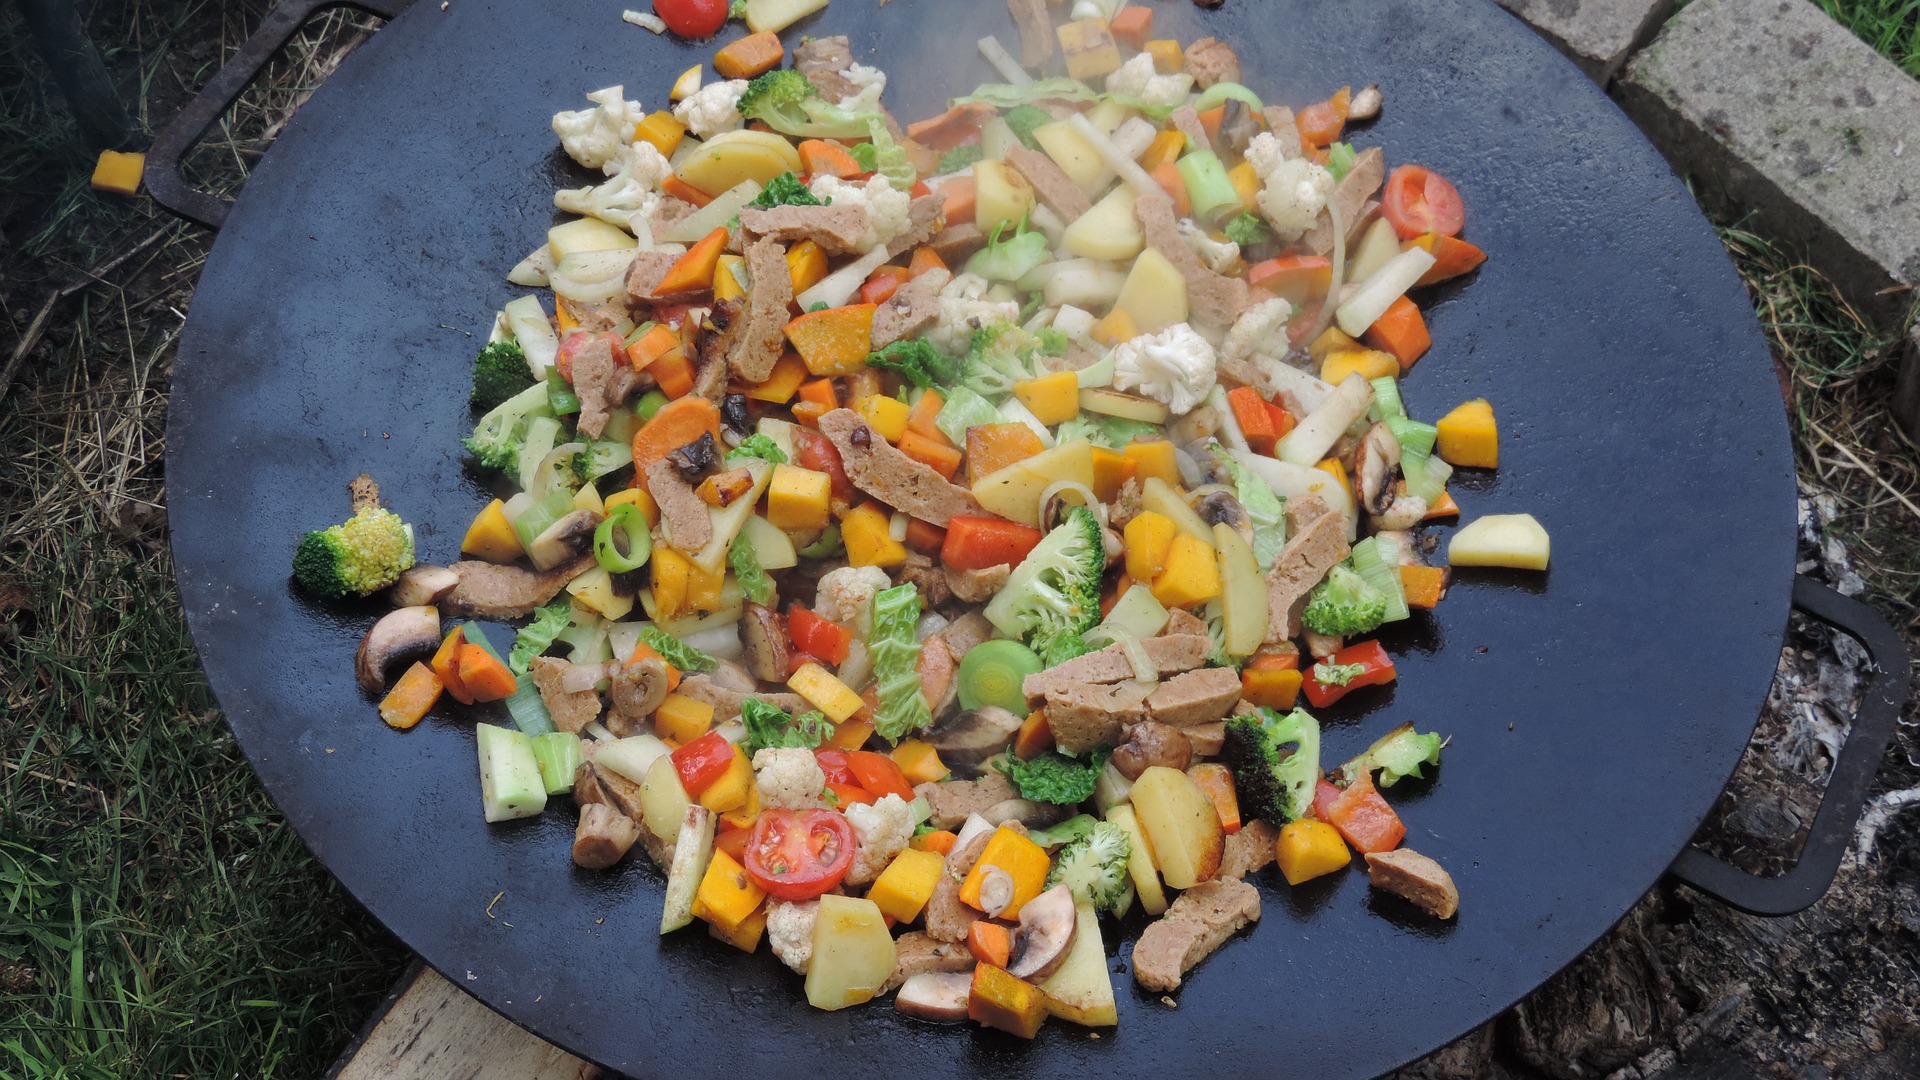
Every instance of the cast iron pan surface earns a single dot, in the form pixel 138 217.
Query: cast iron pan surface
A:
pixel 1595 711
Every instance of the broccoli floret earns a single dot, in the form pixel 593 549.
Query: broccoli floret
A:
pixel 1344 605
pixel 1095 866
pixel 1275 761
pixel 786 190
pixel 1060 648
pixel 786 102
pixel 958 158
pixel 1023 119
pixel 1055 591
pixel 759 446
pixel 499 372
pixel 997 357
pixel 916 361
pixel 1247 229
pixel 362 556
pixel 1399 753
pixel 1050 342
pixel 497 438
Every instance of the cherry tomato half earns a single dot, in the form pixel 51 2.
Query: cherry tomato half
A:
pixel 1420 201
pixel 834 763
pixel 799 854
pixel 692 18
pixel 815 451
pixel 879 774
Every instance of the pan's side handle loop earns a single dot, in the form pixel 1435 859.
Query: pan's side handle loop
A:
pixel 1853 771
pixel 162 171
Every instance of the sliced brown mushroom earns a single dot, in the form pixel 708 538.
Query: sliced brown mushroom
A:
pixel 996 890
pixel 423 584
pixel 1046 929
pixel 1114 546
pixel 935 995
pixel 969 739
pixel 1376 467
pixel 603 836
pixel 1027 812
pixel 563 540
pixel 765 643
pixel 404 632
pixel 1238 126
pixel 1365 104
pixel 1218 505
pixel 1151 743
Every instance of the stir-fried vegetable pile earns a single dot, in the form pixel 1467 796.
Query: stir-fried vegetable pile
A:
pixel 934 531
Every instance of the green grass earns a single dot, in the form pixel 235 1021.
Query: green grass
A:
pixel 1892 27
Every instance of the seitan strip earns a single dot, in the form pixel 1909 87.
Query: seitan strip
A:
pixel 1417 879
pixel 1350 194
pixel 1171 654
pixel 1084 715
pixel 688 525
pixel 885 473
pixel 1200 921
pixel 838 229
pixel 1054 187
pixel 490 591
pixel 1036 31
pixel 1213 298
pixel 1197 697
pixel 925 217
pixel 1298 568
pixel 910 309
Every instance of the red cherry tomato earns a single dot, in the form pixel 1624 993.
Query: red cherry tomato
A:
pixel 702 761
pixel 799 854
pixel 692 18
pixel 879 774
pixel 834 764
pixel 815 451
pixel 1422 201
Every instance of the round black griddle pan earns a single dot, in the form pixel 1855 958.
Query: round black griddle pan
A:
pixel 1595 710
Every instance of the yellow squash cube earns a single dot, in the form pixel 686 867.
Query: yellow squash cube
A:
pixel 1469 437
pixel 825 692
pixel 1088 48
pixel 730 278
pixel 906 885
pixel 746 936
pixel 727 893
pixel 730 791
pixel 1168 57
pixel 920 761
pixel 888 416
pixel 1366 363
pixel 118 172
pixel 1053 399
pixel 865 532
pixel 742 817
pixel 806 265
pixel 1149 540
pixel 671 571
pixel 1154 459
pixel 682 719
pixel 1024 861
pixel 1308 849
pixel 998 1000
pixel 799 498
pixel 1192 575
pixel 491 536
pixel 1117 326
pixel 1246 184
pixel 639 497
pixel 663 130
pixel 1330 339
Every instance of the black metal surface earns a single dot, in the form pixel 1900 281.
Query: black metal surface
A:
pixel 1848 786
pixel 161 173
pixel 1596 711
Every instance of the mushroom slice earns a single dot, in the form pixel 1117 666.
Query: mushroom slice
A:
pixel 1365 104
pixel 1218 505
pixel 765 643
pixel 935 995
pixel 407 631
pixel 423 584
pixel 563 539
pixel 1026 812
pixel 1376 467
pixel 1046 929
pixel 969 739
pixel 996 890
pixel 1238 127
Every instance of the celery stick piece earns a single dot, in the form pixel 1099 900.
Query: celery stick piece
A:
pixel 558 754
pixel 510 785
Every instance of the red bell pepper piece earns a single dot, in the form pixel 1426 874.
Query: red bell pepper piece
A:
pixel 819 637
pixel 1324 794
pixel 702 761
pixel 1365 819
pixel 980 543
pixel 879 774
pixel 1376 669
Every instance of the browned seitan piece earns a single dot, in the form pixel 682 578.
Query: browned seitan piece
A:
pixel 947 917
pixel 595 783
pixel 885 473
pixel 1211 61
pixel 572 710
pixel 918 952
pixel 688 525
pixel 1213 298
pixel 363 491
pixel 957 241
pixel 713 338
pixel 1086 715
pixel 977 586
pixel 822 60
pixel 1200 921
pixel 953 800
pixel 1321 646
pixel 1206 739
pixel 837 229
pixel 909 310
pixel 594 369
pixel 668 213
pixel 920 572
pixel 1187 122
pixel 924 218
pixel 1197 697
pixel 1171 654
pixel 1125 505
pixel 1036 31
pixel 648 270
pixel 726 701
pixel 597 318
pixel 1181 621
pixel 1420 880
pixel 1248 850
pixel 1053 186
pixel 1280 121
pixel 1350 195
pixel 764 639
pixel 755 339
pixel 490 591
pixel 1303 511
pixel 966 633
pixel 1308 556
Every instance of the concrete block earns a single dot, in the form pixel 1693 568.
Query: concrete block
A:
pixel 1906 391
pixel 1779 112
pixel 1595 34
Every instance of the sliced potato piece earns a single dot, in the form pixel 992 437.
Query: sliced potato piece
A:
pixel 1140 868
pixel 1158 496
pixel 777 15
pixel 1080 991
pixel 853 953
pixel 1514 540
pixel 1243 593
pixel 728 158
pixel 1073 153
pixel 1155 294
pixel 586 234
pixel 1001 196
pixel 1107 231
pixel 1110 402
pixel 1182 825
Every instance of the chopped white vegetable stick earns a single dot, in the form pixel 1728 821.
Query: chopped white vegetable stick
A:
pixel 646 20
pixel 836 288
pixel 1003 61
pixel 1377 293
pixel 1116 158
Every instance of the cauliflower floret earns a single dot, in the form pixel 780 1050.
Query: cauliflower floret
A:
pixel 845 596
pixel 1136 78
pixel 884 828
pixel 789 778
pixel 886 208
pixel 596 137
pixel 1293 191
pixel 713 109
pixel 1174 367
pixel 630 193
pixel 790 931
pixel 1221 256
pixel 872 83
pixel 964 308
pixel 1260 333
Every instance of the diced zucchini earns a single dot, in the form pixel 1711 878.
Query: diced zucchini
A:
pixel 510 783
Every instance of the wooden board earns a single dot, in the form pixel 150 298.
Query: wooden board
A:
pixel 428 1029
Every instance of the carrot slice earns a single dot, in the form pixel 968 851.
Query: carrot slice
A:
pixel 925 259
pixel 990 942
pixel 678 423
pixel 818 157
pixel 1401 331
pixel 752 55
pixel 412 696
pixel 486 679
pixel 684 191
pixel 446 665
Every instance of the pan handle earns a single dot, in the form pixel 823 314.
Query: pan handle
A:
pixel 162 171
pixel 1853 770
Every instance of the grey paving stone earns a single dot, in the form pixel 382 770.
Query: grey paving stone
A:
pixel 1595 34
pixel 1779 111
